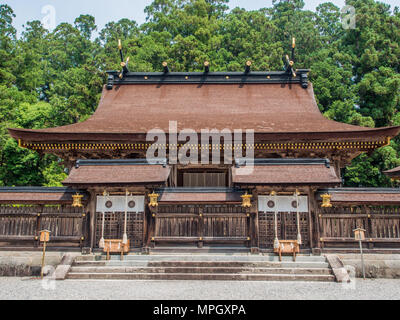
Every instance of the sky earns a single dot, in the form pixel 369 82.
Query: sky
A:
pixel 107 10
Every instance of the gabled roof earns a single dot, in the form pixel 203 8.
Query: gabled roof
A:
pixel 117 172
pixel 295 172
pixel 278 111
pixel 196 195
pixel 393 173
pixel 359 196
pixel 38 195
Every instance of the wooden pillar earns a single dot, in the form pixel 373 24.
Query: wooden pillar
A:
pixel 39 224
pixel 368 226
pixel 255 245
pixel 315 214
pixel 145 225
pixel 249 227
pixel 151 227
pixel 311 215
pixel 200 227
pixel 92 214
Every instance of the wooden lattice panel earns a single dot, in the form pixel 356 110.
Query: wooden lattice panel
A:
pixel 287 228
pixel 114 227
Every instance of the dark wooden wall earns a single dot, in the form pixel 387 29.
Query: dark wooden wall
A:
pixel 223 224
pixel 20 226
pixel 382 224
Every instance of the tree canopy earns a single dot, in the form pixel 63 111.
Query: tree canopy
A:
pixel 55 78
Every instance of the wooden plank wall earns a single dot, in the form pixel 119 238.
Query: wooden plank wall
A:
pixel 227 223
pixel 382 225
pixel 20 226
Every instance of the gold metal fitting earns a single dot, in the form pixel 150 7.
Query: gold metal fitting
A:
pixel 119 44
pixel 77 200
pixel 246 203
pixel 326 201
pixel 153 199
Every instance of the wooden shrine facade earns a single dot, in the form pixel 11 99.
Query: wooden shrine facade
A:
pixel 298 157
pixel 200 217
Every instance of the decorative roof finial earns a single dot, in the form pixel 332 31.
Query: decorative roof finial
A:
pixel 124 64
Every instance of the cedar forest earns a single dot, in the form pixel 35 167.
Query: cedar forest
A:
pixel 50 79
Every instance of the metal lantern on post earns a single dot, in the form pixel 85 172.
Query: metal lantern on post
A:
pixel 359 235
pixel 246 200
pixel 77 200
pixel 326 201
pixel 153 199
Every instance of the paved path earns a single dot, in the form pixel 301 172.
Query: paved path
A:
pixel 27 288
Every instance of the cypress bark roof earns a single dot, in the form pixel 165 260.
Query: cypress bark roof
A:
pixel 277 112
pixel 104 172
pixel 359 196
pixel 287 172
pixel 393 173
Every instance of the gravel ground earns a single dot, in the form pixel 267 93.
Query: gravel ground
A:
pixel 28 288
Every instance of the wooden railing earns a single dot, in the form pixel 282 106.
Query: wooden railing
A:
pixel 382 225
pixel 20 226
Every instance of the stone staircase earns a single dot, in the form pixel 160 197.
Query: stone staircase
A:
pixel 227 267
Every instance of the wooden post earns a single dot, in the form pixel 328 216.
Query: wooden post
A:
pixel 152 225
pixel 92 213
pixel 249 227
pixel 43 256
pixel 200 228
pixel 44 237
pixel 368 226
pixel 38 224
pixel 145 226
pixel 255 245
pixel 311 210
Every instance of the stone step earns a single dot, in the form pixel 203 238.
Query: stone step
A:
pixel 201 276
pixel 231 270
pixel 207 257
pixel 172 263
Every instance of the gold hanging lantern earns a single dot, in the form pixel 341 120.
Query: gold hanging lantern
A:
pixel 326 201
pixel 153 200
pixel 77 200
pixel 246 203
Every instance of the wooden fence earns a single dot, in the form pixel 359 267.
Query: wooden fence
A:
pixel 20 226
pixel 382 224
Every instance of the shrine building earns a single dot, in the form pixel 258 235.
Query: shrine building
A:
pixel 292 192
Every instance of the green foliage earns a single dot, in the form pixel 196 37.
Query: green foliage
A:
pixel 50 79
